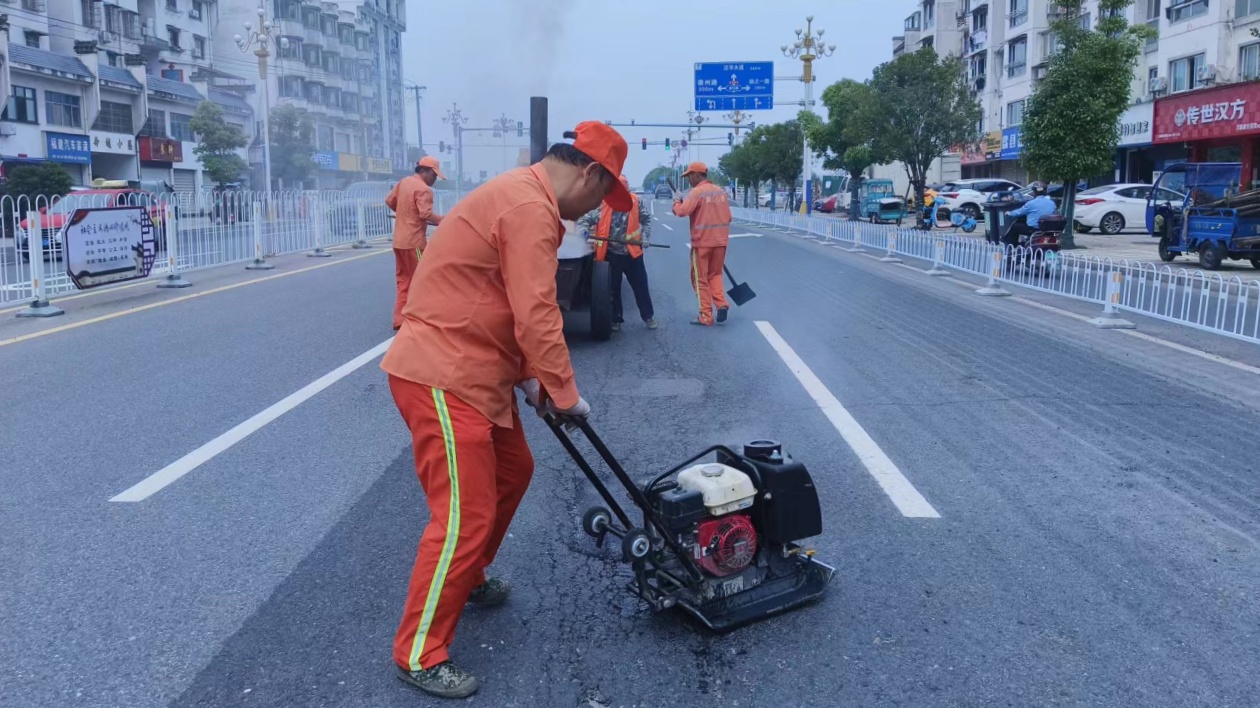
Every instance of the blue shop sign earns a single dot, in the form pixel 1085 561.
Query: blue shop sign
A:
pixel 1012 143
pixel 325 160
pixel 62 147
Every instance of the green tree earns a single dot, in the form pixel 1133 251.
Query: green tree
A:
pixel 217 144
pixel 718 176
pixel 653 177
pixel 777 152
pixel 40 179
pixel 292 144
pixel 740 164
pixel 920 106
pixel 1071 124
pixel 840 139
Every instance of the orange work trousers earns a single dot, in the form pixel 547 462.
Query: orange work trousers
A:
pixel 406 260
pixel 706 279
pixel 474 475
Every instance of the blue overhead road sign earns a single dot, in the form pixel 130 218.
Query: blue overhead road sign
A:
pixel 735 86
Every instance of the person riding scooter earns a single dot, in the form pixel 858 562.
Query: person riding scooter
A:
pixel 1031 212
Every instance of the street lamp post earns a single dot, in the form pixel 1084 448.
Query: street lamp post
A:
pixel 457 121
pixel 807 47
pixel 263 38
pixel 501 126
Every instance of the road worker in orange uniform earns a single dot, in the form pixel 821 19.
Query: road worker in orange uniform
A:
pixel 411 200
pixel 710 214
pixel 488 322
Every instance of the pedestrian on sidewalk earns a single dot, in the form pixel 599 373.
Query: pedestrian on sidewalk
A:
pixel 488 322
pixel 710 214
pixel 616 236
pixel 411 200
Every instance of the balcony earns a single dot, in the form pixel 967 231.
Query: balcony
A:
pixel 152 43
pixel 1019 17
pixel 978 42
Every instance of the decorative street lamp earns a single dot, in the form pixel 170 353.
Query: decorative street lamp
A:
pixel 502 125
pixel 808 47
pixel 457 121
pixel 262 38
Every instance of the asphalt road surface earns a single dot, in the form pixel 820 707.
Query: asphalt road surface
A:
pixel 1093 498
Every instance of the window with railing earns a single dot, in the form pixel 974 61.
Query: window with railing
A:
pixel 980 20
pixel 196 11
pixel 114 118
pixel 978 68
pixel 199 47
pixel 290 87
pixel 155 124
pixel 1017 57
pixel 22 106
pixel 91 16
pixel 1182 10
pixel 181 128
pixel 929 14
pixel 1019 12
pixel 293 50
pixel 63 109
pixel 131 25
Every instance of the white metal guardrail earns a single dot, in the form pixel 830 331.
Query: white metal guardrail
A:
pixel 1210 302
pixel 194 230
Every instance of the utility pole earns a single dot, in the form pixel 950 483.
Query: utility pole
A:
pixel 415 90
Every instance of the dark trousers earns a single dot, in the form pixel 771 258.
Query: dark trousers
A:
pixel 635 272
pixel 1017 229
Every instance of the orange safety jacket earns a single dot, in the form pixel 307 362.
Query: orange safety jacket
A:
pixel 710 214
pixel 634 232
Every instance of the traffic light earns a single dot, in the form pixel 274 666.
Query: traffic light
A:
pixel 520 129
pixel 730 138
pixel 645 143
pixel 666 144
pixel 441 146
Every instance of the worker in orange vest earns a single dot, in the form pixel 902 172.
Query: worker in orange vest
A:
pixel 411 200
pixel 616 237
pixel 710 214
pixel 488 323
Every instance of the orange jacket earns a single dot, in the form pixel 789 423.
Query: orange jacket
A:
pixel 411 200
pixel 710 214
pixel 634 232
pixel 488 318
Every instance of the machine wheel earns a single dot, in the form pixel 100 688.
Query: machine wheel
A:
pixel 1255 263
pixel 1111 224
pixel 1164 254
pixel 601 300
pixel 1210 256
pixel 636 545
pixel 596 521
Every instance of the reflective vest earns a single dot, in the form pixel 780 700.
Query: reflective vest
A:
pixel 633 230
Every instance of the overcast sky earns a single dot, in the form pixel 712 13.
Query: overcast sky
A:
pixel 613 60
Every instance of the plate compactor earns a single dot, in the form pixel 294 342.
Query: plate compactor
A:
pixel 718 539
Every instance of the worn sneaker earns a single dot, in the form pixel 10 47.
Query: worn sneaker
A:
pixel 721 315
pixel 651 324
pixel 445 680
pixel 490 593
pixel 616 327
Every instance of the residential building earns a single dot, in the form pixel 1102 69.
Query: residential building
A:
pixel 1195 94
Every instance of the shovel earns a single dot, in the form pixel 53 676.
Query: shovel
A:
pixel 740 293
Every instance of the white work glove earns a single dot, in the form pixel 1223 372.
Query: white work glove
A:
pixel 532 390
pixel 568 416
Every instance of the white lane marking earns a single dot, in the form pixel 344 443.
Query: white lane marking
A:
pixel 667 227
pixel 907 499
pixel 159 480
pixel 748 235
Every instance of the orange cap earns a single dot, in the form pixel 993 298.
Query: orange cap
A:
pixel 696 168
pixel 606 146
pixel 432 163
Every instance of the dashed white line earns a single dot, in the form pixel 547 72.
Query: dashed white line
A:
pixel 166 476
pixel 904 496
pixel 667 227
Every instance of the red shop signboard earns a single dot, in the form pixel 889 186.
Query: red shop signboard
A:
pixel 161 150
pixel 1226 112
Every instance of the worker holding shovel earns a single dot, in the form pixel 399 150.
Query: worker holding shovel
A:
pixel 710 214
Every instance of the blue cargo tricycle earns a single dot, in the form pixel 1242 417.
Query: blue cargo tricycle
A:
pixel 1214 220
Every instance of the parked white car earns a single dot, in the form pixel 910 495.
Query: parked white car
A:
pixel 967 195
pixel 1116 208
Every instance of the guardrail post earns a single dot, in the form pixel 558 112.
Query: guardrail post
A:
pixel 1110 318
pixel 993 288
pixel 360 223
pixel 170 224
pixel 40 306
pixel 259 263
pixel 319 251
pixel 857 239
pixel 892 246
pixel 938 257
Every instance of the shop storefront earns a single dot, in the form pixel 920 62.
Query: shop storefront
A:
pixel 996 157
pixel 157 158
pixel 1133 150
pixel 1213 125
pixel 72 152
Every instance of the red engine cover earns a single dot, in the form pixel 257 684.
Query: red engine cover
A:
pixel 725 545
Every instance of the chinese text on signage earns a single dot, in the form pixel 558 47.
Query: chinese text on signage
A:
pixel 109 245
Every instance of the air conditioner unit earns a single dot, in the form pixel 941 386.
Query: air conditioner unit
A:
pixel 8 129
pixel 1206 74
pixel 1159 84
pixel 1039 72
